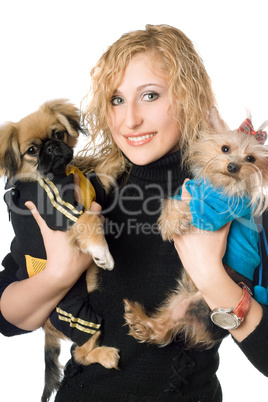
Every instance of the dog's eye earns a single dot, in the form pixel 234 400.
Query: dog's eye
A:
pixel 225 148
pixel 250 159
pixel 33 150
pixel 58 134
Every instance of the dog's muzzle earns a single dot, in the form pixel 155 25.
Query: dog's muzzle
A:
pixel 54 156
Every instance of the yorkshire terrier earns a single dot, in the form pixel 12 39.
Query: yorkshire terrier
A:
pixel 230 170
pixel 35 155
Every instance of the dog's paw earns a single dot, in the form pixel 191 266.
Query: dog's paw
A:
pixel 182 225
pixel 138 322
pixel 174 219
pixel 110 357
pixel 176 227
pixel 101 256
pixel 87 235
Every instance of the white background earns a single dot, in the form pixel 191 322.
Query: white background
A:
pixel 47 48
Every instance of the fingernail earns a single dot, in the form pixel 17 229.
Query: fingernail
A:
pixel 28 205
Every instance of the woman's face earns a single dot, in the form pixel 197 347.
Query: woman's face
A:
pixel 140 120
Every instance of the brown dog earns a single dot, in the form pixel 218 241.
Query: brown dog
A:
pixel 31 150
pixel 235 164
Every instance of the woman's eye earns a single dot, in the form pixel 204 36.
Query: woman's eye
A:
pixel 151 96
pixel 117 100
pixel 33 150
pixel 225 148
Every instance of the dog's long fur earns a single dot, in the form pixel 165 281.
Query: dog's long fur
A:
pixel 185 313
pixel 22 145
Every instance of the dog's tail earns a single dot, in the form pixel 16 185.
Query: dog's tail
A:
pixel 52 366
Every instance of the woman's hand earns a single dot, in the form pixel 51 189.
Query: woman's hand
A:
pixel 63 261
pixel 201 253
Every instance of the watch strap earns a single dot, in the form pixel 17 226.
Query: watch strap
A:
pixel 243 306
pixel 231 318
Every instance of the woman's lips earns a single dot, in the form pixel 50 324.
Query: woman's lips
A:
pixel 140 139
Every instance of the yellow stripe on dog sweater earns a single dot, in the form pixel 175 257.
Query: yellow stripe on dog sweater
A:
pixel 76 322
pixel 87 194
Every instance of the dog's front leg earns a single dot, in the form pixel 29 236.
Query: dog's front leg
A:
pixel 175 218
pixel 87 234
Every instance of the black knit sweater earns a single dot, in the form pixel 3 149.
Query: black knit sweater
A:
pixel 145 270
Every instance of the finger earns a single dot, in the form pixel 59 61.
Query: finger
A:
pixel 225 229
pixel 95 207
pixel 40 221
pixel 185 195
pixel 228 225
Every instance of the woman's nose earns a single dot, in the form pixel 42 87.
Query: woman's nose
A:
pixel 133 116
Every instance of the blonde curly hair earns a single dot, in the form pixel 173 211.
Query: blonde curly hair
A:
pixel 189 85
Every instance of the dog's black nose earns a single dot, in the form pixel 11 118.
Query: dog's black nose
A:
pixel 51 149
pixel 232 167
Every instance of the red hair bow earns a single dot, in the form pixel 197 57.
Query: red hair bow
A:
pixel 247 127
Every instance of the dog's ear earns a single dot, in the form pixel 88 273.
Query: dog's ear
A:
pixel 216 122
pixel 67 114
pixel 10 157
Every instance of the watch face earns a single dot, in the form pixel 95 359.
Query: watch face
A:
pixel 224 320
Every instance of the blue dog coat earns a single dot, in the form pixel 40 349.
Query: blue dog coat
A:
pixel 211 210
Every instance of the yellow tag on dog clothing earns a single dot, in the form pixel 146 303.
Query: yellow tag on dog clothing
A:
pixel 87 193
pixel 34 265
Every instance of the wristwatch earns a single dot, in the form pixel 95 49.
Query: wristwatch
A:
pixel 231 318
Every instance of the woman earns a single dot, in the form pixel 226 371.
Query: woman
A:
pixel 151 97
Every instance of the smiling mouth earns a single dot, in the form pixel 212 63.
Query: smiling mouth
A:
pixel 141 137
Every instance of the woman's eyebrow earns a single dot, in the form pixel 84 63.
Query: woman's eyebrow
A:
pixel 140 87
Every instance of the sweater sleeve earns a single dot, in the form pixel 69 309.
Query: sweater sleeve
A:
pixel 255 346
pixel 8 276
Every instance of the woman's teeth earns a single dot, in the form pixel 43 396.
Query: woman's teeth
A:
pixel 141 138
